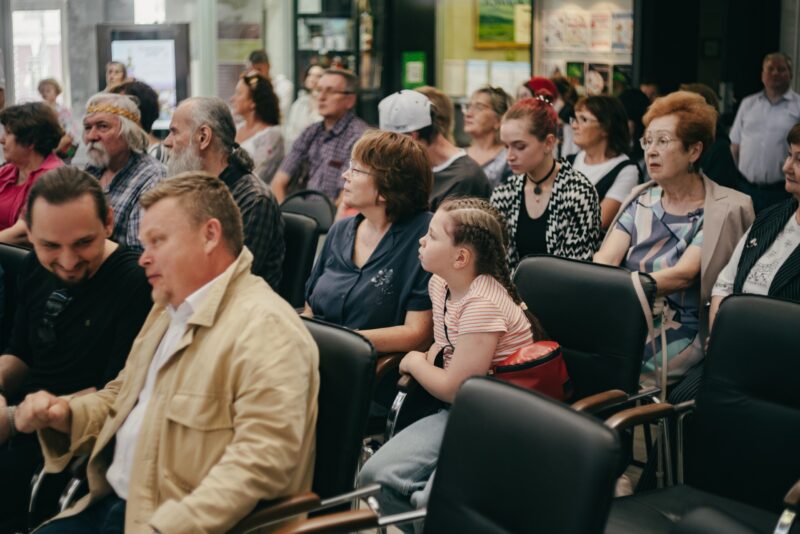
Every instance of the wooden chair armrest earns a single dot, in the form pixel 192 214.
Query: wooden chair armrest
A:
pixel 792 498
pixel 407 384
pixel 270 511
pixel 386 363
pixel 600 401
pixel 639 415
pixel 340 522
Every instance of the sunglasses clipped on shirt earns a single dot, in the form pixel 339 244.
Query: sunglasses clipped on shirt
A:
pixel 54 306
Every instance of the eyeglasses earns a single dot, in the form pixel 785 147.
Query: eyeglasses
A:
pixel 473 106
pixel 54 306
pixel 327 91
pixel 581 120
pixel 661 142
pixel 352 169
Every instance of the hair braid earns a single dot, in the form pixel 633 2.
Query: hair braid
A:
pixel 480 225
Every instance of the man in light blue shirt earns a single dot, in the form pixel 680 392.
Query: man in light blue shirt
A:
pixel 758 136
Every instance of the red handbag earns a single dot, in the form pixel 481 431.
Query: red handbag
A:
pixel 539 366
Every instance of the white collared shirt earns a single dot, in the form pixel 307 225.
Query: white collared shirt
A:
pixel 119 472
pixel 760 130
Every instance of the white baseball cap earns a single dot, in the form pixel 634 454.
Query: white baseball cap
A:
pixel 404 111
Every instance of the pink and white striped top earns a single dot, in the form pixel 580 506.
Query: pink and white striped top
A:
pixel 486 307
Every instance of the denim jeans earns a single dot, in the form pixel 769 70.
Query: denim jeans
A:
pixel 404 466
pixel 106 516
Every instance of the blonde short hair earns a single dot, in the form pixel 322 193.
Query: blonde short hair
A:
pixel 204 197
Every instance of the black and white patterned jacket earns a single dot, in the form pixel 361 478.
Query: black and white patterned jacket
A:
pixel 573 229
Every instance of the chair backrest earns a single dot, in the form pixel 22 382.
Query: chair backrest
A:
pixel 514 461
pixel 744 436
pixel 314 204
pixel 301 234
pixel 347 371
pixel 11 259
pixel 593 312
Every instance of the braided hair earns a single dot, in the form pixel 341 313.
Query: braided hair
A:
pixel 479 225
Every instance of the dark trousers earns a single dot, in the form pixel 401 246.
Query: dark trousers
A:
pixel 763 196
pixel 19 460
pixel 106 516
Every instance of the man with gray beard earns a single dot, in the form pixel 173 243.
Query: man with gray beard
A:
pixel 202 137
pixel 116 147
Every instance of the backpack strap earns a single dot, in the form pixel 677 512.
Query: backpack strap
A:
pixel 608 180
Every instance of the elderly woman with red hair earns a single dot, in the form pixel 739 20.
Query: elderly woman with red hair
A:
pixel 681 228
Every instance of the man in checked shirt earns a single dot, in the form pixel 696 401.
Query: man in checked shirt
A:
pixel 324 147
pixel 117 149
pixel 202 138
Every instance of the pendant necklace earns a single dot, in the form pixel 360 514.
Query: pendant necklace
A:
pixel 537 188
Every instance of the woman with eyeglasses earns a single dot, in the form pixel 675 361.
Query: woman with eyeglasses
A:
pixel 681 228
pixel 259 134
pixel 482 116
pixel 601 131
pixel 549 208
pixel 368 276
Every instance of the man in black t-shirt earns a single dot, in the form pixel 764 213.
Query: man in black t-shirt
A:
pixel 82 301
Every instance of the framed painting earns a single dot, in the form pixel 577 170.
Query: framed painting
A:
pixel 502 23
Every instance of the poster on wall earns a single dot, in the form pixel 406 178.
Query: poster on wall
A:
pixel 621 79
pixel 502 23
pixel 601 31
pixel 477 74
pixel 566 29
pixel 552 67
pixel 622 34
pixel 597 78
pixel 576 73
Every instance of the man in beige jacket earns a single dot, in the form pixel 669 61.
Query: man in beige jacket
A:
pixel 216 406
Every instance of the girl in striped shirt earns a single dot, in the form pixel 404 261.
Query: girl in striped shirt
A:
pixel 477 321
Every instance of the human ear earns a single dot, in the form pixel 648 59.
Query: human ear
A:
pixel 212 235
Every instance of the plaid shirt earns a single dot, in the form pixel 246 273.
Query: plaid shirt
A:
pixel 327 153
pixel 263 224
pixel 141 173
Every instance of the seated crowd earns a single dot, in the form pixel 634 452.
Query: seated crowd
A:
pixel 149 334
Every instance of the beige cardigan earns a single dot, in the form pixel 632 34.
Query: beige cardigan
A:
pixel 727 214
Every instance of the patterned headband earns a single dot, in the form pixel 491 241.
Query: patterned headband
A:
pixel 115 110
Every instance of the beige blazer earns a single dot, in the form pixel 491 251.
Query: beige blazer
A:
pixel 231 419
pixel 727 214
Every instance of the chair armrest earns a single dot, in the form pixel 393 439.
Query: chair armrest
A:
pixel 600 401
pixel 340 522
pixel 386 363
pixel 407 384
pixel 639 415
pixel 270 511
pixel 792 498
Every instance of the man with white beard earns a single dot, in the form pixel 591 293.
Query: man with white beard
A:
pixel 202 137
pixel 116 147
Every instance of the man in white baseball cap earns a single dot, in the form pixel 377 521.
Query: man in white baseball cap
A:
pixel 426 114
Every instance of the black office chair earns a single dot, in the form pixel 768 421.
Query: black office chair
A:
pixel 593 312
pixel 11 259
pixel 347 373
pixel 742 455
pixel 511 461
pixel 314 204
pixel 301 234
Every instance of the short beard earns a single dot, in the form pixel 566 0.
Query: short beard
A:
pixel 98 155
pixel 186 160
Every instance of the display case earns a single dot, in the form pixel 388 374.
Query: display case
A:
pixel 369 37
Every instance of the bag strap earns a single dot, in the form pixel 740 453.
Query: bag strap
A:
pixel 661 374
pixel 605 183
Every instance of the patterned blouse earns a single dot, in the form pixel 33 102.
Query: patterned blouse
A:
pixel 573 229
pixel 658 241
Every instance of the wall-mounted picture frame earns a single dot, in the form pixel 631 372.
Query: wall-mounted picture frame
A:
pixel 503 23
